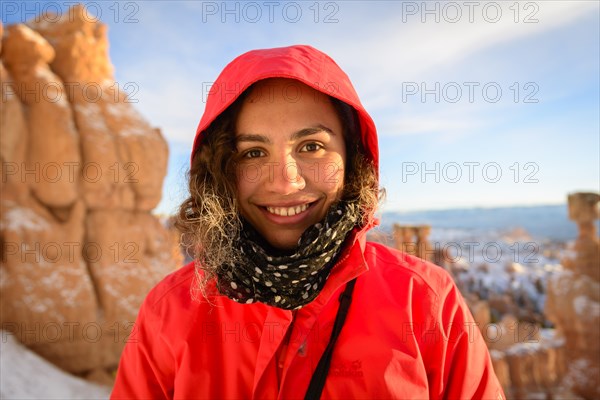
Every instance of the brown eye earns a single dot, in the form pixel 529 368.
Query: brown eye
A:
pixel 254 153
pixel 311 147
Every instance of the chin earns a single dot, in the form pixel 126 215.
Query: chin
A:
pixel 283 242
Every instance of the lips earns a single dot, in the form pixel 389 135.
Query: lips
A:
pixel 289 214
pixel 288 211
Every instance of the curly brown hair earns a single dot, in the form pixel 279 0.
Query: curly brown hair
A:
pixel 209 220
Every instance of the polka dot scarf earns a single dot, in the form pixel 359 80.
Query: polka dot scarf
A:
pixel 287 280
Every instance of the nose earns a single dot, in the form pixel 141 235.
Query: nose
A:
pixel 285 176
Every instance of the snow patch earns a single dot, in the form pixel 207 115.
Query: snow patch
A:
pixel 123 111
pixel 496 354
pixel 19 219
pixel 135 124
pixel 584 306
pixel 45 74
pixel 551 338
pixel 25 375
pixel 134 131
pixel 562 282
pixel 118 273
pixel 92 115
pixel 578 374
pixel 524 348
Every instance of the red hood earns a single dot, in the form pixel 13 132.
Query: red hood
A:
pixel 303 63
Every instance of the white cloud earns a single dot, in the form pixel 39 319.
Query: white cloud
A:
pixel 380 56
pixel 392 52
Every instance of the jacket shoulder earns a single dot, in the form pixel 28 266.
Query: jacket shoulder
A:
pixel 174 285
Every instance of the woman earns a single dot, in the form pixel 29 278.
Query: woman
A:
pixel 286 299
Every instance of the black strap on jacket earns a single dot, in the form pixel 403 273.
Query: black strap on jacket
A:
pixel 317 383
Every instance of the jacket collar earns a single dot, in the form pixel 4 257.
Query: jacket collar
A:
pixel 350 265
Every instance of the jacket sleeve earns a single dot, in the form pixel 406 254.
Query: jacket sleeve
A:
pixel 464 366
pixel 145 368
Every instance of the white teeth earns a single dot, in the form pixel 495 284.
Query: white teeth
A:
pixel 287 211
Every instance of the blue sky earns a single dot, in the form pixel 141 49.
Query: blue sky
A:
pixel 502 99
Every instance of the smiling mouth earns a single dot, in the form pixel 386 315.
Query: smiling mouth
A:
pixel 288 211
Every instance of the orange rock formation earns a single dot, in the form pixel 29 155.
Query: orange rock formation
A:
pixel 81 171
pixel 573 302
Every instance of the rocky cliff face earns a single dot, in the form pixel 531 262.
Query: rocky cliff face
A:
pixel 573 302
pixel 81 171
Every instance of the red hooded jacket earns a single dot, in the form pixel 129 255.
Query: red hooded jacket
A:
pixel 408 333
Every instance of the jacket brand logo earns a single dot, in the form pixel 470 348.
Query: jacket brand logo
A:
pixel 346 368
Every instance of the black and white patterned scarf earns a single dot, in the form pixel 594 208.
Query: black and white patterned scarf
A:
pixel 287 280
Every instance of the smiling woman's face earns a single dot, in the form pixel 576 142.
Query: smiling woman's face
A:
pixel 291 156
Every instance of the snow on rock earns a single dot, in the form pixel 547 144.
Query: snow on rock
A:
pixel 76 156
pixel 19 219
pixel 92 115
pixel 573 303
pixel 25 375
pixel 578 374
pixel 524 348
pixel 584 306
pixel 491 267
pixel 561 282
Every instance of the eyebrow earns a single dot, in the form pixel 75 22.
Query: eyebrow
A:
pixel 251 137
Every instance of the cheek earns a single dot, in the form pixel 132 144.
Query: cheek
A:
pixel 252 176
pixel 329 176
pixel 243 189
pixel 247 176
